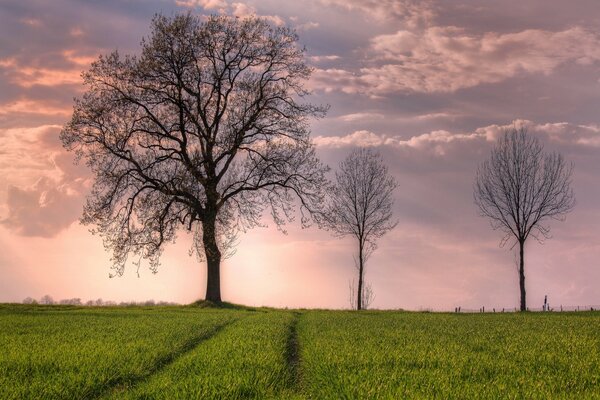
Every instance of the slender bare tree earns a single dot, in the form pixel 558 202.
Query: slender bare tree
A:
pixel 205 129
pixel 360 205
pixel 520 188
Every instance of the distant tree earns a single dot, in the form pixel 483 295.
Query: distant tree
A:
pixel 72 302
pixel 368 295
pixel 520 188
pixel 29 300
pixel 360 205
pixel 47 300
pixel 204 130
pixel 99 302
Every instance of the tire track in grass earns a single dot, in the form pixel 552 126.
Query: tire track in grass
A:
pixel 247 360
pixel 293 353
pixel 130 382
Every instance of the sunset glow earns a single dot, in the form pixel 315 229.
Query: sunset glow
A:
pixel 431 85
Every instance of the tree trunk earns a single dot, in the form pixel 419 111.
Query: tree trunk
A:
pixel 522 275
pixel 213 258
pixel 359 296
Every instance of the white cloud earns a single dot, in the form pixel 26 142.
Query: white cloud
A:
pixel 43 209
pixel 411 12
pixel 336 79
pixel 244 10
pixel 31 75
pixel 307 26
pixel 320 59
pixel 28 106
pixel 361 138
pixel 438 140
pixel 40 188
pixel 446 59
pixel 206 4
pixel 360 116
pixel 370 116
pixel 435 141
pixel 436 115
pixel 237 9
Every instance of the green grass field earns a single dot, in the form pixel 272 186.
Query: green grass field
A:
pixel 58 352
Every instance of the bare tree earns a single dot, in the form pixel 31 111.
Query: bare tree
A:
pixel 368 296
pixel 47 300
pixel 205 129
pixel 360 205
pixel 520 188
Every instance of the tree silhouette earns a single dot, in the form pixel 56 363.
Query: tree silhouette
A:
pixel 360 205
pixel 519 188
pixel 205 130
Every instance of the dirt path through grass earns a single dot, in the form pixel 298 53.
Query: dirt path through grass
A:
pixel 293 352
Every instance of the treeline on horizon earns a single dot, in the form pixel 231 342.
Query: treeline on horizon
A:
pixel 76 301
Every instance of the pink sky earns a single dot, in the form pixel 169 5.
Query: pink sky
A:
pixel 428 84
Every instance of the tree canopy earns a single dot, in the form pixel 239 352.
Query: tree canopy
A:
pixel 205 129
pixel 520 188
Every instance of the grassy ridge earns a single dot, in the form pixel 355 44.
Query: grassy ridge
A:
pixel 420 355
pixel 189 352
pixel 72 353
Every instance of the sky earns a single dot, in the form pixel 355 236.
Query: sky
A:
pixel 429 84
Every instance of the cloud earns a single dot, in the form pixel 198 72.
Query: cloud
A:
pixel 336 79
pixel 375 116
pixel 361 138
pixel 244 10
pixel 559 132
pixel 28 151
pixel 360 116
pixel 41 190
pixel 206 4
pixel 37 107
pixel 318 59
pixel 43 209
pixel 237 9
pixel 435 142
pixel 32 22
pixel 68 72
pixel 412 13
pixel 307 26
pixel 446 59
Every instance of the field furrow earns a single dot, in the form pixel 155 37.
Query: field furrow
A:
pixel 194 353
pixel 68 354
pixel 248 359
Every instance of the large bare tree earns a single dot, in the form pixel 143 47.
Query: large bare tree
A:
pixel 361 205
pixel 520 188
pixel 205 129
